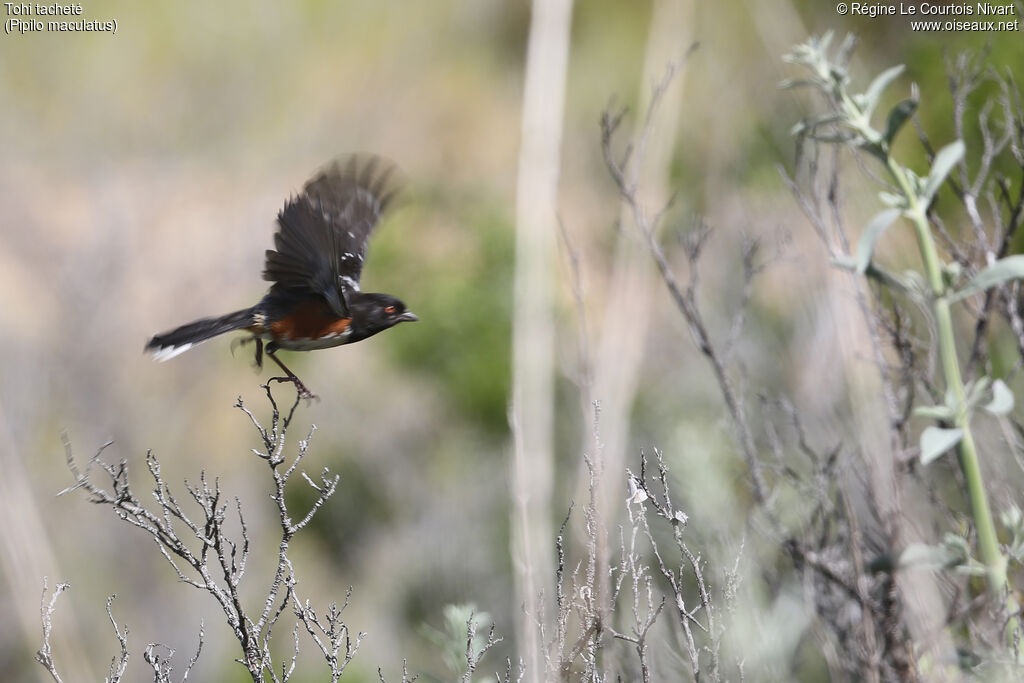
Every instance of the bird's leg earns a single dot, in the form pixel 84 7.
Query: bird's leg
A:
pixel 299 386
pixel 248 340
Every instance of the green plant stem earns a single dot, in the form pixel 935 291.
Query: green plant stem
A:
pixel 988 544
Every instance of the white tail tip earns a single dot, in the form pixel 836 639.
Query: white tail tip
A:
pixel 169 352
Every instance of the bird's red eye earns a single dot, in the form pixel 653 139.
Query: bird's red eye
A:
pixel 389 309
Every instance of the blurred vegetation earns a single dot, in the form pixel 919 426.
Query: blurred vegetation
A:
pixel 140 175
pixel 463 346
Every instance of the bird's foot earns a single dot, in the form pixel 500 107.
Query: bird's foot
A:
pixel 300 388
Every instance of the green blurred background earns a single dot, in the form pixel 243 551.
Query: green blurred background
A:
pixel 139 177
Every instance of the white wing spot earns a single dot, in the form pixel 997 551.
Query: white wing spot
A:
pixel 351 283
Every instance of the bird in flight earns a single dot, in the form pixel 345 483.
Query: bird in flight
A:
pixel 320 246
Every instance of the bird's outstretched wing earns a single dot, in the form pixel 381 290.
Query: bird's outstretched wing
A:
pixel 320 245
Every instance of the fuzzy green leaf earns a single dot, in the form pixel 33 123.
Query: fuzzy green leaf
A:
pixel 944 162
pixel 874 230
pixel 935 412
pixel 895 201
pixel 935 441
pixel 1002 399
pixel 898 115
pixel 1009 268
pixel 878 85
pixel 924 556
pixel 976 391
pixel 845 49
pixel 844 263
pixel 825 40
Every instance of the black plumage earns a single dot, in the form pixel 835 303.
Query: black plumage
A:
pixel 323 232
pixel 315 267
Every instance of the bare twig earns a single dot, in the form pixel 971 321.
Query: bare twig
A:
pixel 624 169
pixel 45 654
pixel 204 555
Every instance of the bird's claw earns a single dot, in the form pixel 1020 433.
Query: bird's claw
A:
pixel 302 390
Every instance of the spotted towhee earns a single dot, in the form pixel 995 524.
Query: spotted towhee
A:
pixel 315 302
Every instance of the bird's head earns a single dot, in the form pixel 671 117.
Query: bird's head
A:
pixel 373 313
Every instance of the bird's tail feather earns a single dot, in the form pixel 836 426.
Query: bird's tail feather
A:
pixel 169 344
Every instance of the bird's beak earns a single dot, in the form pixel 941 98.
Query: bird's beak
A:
pixel 408 316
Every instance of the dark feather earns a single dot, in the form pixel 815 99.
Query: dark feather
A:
pixel 201 330
pixel 321 242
